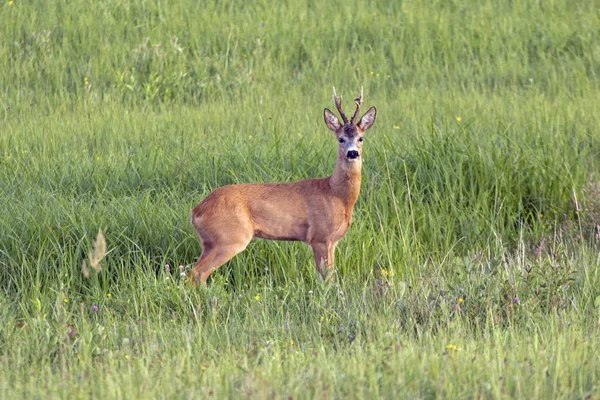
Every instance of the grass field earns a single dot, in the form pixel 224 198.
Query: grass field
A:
pixel 471 266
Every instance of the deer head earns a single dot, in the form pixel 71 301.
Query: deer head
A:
pixel 350 133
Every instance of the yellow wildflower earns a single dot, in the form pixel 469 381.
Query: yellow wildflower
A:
pixel 452 347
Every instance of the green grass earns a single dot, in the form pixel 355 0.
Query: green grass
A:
pixel 480 185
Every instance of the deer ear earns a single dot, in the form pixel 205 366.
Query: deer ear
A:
pixel 368 119
pixel 331 120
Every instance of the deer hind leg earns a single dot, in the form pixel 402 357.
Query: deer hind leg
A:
pixel 219 245
pixel 214 258
pixel 324 257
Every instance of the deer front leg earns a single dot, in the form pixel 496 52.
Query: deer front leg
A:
pixel 324 257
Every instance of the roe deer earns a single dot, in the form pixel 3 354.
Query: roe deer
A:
pixel 315 211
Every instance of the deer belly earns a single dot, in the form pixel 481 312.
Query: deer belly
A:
pixel 280 226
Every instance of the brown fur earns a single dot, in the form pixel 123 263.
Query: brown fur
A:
pixel 315 211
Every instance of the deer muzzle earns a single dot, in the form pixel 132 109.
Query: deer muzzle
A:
pixel 352 154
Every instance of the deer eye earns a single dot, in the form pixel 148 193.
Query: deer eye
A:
pixel 341 140
pixel 360 139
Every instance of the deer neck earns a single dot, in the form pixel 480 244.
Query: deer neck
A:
pixel 345 181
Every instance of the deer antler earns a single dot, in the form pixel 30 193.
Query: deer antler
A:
pixel 358 102
pixel 338 104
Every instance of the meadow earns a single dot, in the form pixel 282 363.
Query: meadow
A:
pixel 471 266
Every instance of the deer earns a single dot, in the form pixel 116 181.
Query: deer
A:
pixel 317 212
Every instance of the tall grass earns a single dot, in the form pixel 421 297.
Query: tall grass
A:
pixel 470 268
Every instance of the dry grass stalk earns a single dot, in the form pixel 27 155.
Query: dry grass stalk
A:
pixel 96 254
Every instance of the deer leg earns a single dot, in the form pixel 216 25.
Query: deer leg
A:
pixel 331 257
pixel 213 257
pixel 222 238
pixel 324 257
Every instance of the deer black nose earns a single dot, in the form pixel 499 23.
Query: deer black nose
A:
pixel 352 154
